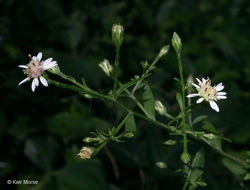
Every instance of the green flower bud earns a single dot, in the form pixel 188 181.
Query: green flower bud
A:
pixel 176 42
pixel 117 34
pixel 185 157
pixel 160 108
pixel 164 50
pixel 209 135
pixel 106 67
pixel 129 135
pixel 55 70
pixel 161 165
pixel 88 96
pixel 170 142
pixel 89 139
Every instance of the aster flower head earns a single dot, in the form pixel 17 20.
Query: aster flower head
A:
pixel 208 93
pixel 34 70
pixel 86 152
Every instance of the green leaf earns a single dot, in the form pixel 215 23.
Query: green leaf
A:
pixel 247 177
pixel 82 175
pixel 130 125
pixel 235 168
pixel 179 100
pixel 197 165
pixel 199 118
pixel 206 125
pixel 129 84
pixel 195 173
pixel 148 101
pixel 41 151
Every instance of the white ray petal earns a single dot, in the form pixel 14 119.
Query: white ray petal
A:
pixel 49 66
pixel 23 66
pixel 43 81
pixel 203 81
pixel 36 81
pixel 199 81
pixel 192 95
pixel 33 85
pixel 47 61
pixel 195 85
pixel 24 80
pixel 39 56
pixel 221 93
pixel 219 87
pixel 214 105
pixel 221 97
pixel 199 100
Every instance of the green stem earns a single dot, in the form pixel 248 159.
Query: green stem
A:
pixel 183 102
pixel 117 53
pixel 155 122
pixel 229 156
pixel 150 68
pixel 185 185
pixel 189 112
pixel 121 124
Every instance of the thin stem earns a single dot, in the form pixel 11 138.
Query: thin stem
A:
pixel 121 124
pixel 189 112
pixel 117 53
pixel 150 68
pixel 155 122
pixel 183 102
pixel 185 185
pixel 229 156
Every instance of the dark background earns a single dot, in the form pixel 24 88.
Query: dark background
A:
pixel 41 132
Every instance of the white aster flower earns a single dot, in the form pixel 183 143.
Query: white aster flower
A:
pixel 208 93
pixel 34 70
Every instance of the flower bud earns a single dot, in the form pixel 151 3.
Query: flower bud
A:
pixel 209 135
pixel 89 139
pixel 129 135
pixel 190 79
pixel 164 50
pixel 185 157
pixel 55 70
pixel 176 42
pixel 160 108
pixel 161 165
pixel 170 142
pixel 106 67
pixel 88 96
pixel 86 152
pixel 117 34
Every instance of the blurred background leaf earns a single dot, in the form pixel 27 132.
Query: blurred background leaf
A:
pixel 42 132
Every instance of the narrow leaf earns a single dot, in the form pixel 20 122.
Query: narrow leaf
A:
pixel 199 118
pixel 197 166
pixel 148 101
pixel 179 100
pixel 235 168
pixel 129 84
pixel 130 125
